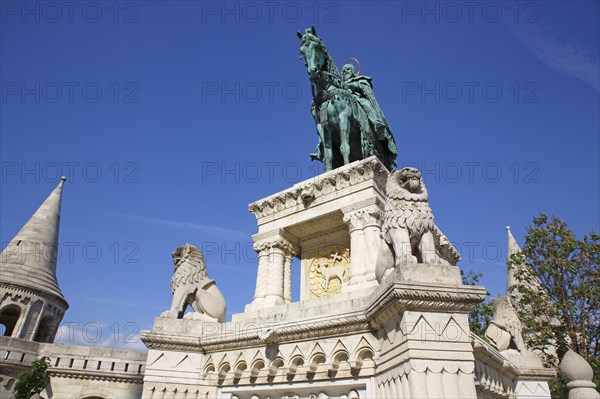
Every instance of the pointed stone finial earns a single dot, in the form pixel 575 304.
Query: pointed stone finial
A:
pixel 579 373
pixel 513 248
pixel 513 245
pixel 29 260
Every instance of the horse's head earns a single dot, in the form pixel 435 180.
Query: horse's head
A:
pixel 312 50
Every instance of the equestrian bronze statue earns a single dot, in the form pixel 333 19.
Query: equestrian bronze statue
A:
pixel 350 123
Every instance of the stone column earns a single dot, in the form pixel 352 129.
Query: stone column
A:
pixel 274 293
pixel 22 322
pixel 262 275
pixel 365 229
pixel 37 321
pixel 287 279
pixel 372 231
pixel 273 282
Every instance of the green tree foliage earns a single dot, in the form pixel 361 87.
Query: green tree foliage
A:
pixel 33 381
pixel 482 314
pixel 558 291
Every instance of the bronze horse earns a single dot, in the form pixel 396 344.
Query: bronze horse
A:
pixel 345 134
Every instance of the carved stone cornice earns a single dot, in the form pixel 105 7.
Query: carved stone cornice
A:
pixel 258 336
pixel 397 294
pixel 96 375
pixel 327 183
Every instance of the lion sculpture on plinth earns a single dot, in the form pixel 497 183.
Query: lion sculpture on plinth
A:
pixel 505 328
pixel 505 331
pixel 191 286
pixel 409 234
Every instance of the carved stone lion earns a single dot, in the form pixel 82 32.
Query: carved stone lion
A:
pixel 505 328
pixel 408 232
pixel 191 286
pixel 505 331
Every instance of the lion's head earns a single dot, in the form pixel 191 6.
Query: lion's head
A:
pixel 406 184
pixel 505 313
pixel 410 179
pixel 189 254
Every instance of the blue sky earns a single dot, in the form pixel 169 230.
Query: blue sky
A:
pixel 169 118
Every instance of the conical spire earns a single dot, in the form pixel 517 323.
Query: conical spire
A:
pixel 513 248
pixel 511 281
pixel 29 260
pixel 513 245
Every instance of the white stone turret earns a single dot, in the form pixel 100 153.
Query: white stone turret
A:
pixel 32 304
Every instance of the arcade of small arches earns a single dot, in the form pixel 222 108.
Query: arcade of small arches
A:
pixel 29 318
pixel 340 359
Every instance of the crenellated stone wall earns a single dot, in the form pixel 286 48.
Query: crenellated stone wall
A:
pixel 75 371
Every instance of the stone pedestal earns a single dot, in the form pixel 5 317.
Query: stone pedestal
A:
pixel 409 337
pixel 332 223
pixel 420 315
pixel 348 336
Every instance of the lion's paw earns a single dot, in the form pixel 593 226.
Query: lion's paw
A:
pixel 192 316
pixel 199 316
pixel 408 258
pixel 169 314
pixel 432 260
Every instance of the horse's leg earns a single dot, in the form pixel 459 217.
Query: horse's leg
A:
pixel 327 151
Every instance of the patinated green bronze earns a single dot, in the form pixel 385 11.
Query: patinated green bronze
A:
pixel 350 123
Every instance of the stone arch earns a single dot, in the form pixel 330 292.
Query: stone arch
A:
pixel 9 317
pixel 296 362
pixel 364 354
pixel 45 330
pixel 317 358
pixel 364 359
pixel 94 393
pixel 275 366
pixel 339 357
pixel 257 365
pixel 209 367
pixel 223 369
pixel 240 366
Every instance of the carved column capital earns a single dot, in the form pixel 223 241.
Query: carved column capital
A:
pixel 280 243
pixel 361 218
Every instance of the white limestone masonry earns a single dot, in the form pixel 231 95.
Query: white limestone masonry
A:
pixel 354 333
